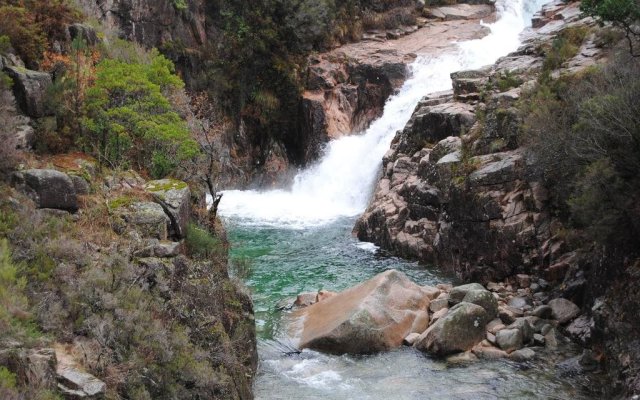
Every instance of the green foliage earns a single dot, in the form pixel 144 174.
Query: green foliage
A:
pixel 201 244
pixel 564 47
pixel 26 36
pixel 180 4
pixel 585 133
pixel 508 80
pixel 32 24
pixel 7 379
pixel 130 121
pixel 622 13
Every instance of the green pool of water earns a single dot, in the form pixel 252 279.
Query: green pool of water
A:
pixel 284 262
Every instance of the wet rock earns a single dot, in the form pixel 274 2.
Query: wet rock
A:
pixel 460 330
pixel 519 302
pixel 30 89
pixel 373 316
pixel 462 358
pixel 175 198
pixel 563 310
pixel 509 339
pixel 521 355
pixel 49 188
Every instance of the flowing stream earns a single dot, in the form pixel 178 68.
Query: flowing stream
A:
pixel 300 240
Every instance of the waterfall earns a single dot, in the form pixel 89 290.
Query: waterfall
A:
pixel 340 183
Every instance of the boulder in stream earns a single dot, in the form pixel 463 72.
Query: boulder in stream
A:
pixel 373 316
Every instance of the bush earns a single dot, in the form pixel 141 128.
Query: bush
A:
pixel 585 134
pixel 201 244
pixel 130 122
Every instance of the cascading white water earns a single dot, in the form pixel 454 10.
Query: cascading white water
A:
pixel 340 183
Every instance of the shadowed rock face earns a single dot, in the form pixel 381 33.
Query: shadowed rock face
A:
pixel 373 316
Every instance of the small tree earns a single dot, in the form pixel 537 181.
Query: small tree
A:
pixel 622 13
pixel 130 121
pixel 208 127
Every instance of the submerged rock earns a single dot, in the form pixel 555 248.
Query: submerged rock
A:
pixel 373 316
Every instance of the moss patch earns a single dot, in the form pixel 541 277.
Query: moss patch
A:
pixel 164 185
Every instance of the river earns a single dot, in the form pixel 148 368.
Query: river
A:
pixel 300 240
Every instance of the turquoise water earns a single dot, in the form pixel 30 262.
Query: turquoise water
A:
pixel 284 262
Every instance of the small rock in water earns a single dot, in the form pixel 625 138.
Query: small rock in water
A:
pixel 460 358
pixel 525 354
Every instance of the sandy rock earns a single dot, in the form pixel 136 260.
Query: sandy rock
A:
pixel 459 330
pixel 438 304
pixel 305 299
pixel 373 316
pixel 462 358
pixel 489 353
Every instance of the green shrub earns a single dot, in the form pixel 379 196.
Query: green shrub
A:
pixel 584 131
pixel 564 47
pixel 200 243
pixel 130 121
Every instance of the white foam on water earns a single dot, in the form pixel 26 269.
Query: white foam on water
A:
pixel 341 183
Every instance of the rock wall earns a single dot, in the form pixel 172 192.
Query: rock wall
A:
pixel 456 189
pixel 459 190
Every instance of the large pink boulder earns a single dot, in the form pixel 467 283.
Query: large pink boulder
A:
pixel 373 316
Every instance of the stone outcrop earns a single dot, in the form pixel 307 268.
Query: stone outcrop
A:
pixel 30 88
pixel 373 316
pixel 146 219
pixel 457 189
pixel 175 198
pixel 48 188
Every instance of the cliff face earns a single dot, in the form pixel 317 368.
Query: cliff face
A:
pixel 459 189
